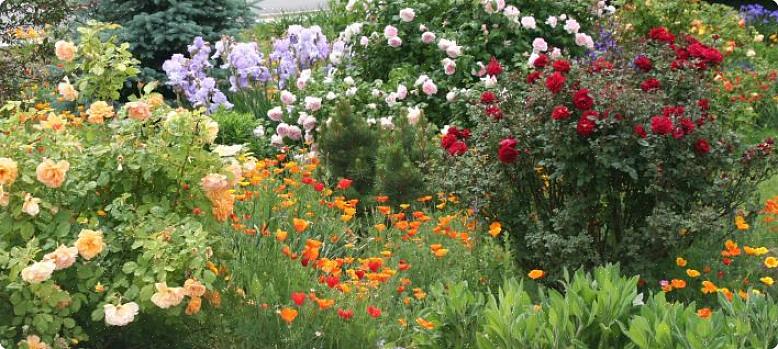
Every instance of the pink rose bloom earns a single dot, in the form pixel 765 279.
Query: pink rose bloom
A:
pixel 539 45
pixel 407 15
pixel 402 92
pixel 454 50
pixel 528 22
pixel 572 26
pixel 364 41
pixel 449 66
pixel 287 97
pixel 428 37
pixel 429 87
pixel 312 103
pixel 282 129
pixel 294 133
pixel 395 41
pixel 551 21
pixel 275 114
pixel 556 53
pixel 390 31
pixel 512 13
pixel 582 39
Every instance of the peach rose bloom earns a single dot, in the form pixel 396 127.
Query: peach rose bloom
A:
pixel 52 174
pixel 38 272
pixel 156 100
pixel 5 197
pixel 30 205
pixel 54 122
pixel 67 91
pixel 99 111
pixel 167 297
pixel 194 288
pixel 63 257
pixel 138 110
pixel 90 243
pixel 65 50
pixel 34 342
pixel 214 182
pixel 194 306
pixel 9 170
pixel 120 315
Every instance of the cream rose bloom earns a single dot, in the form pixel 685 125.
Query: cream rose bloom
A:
pixel 90 243
pixel 9 170
pixel 38 272
pixel 156 100
pixel 120 315
pixel 52 174
pixel 67 91
pixel 30 205
pixel 99 111
pixel 194 288
pixel 138 110
pixel 65 50
pixel 167 297
pixel 211 131
pixel 34 342
pixel 214 182
pixel 63 257
pixel 5 197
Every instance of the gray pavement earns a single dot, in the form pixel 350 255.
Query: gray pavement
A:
pixel 269 7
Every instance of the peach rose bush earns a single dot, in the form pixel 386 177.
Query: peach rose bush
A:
pixel 99 207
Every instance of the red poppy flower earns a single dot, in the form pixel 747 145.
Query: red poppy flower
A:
pixel 298 298
pixel 344 184
pixel 345 314
pixel 373 311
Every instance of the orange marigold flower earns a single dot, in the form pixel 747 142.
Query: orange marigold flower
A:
pixel 680 261
pixel 495 229
pixel 678 283
pixel 300 224
pixel 428 325
pixel 771 262
pixel 709 287
pixel 535 274
pixel 288 315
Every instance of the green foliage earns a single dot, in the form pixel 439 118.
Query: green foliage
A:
pixel 244 129
pixel 348 145
pixel 397 171
pixel 156 29
pixel 457 310
pixel 102 66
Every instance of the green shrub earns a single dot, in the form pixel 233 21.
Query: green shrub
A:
pixel 244 129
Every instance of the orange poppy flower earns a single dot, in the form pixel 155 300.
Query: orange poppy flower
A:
pixel 536 274
pixel 704 313
pixel 288 315
pixel 300 224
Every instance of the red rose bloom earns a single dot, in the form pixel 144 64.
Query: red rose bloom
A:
pixel 644 63
pixel 661 34
pixel 585 127
pixel 494 112
pixel 601 64
pixel 640 131
pixel 560 112
pixel 555 82
pixel 582 100
pixel 532 77
pixel 562 66
pixel 704 104
pixel 448 140
pixel 507 152
pixel 541 61
pixel 678 133
pixel 592 115
pixel 687 125
pixel 661 125
pixel 650 84
pixel 493 68
pixel 488 97
pixel 702 146
pixel 458 148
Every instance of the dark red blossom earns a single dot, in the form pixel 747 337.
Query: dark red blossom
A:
pixel 458 148
pixel 494 111
pixel 560 112
pixel 661 34
pixel 640 131
pixel 644 63
pixel 507 152
pixel 582 100
pixel 687 125
pixel 562 66
pixel 555 82
pixel 488 97
pixel 585 127
pixel 650 85
pixel 493 68
pixel 701 146
pixel 661 125
pixel 540 62
pixel 704 104
pixel 532 77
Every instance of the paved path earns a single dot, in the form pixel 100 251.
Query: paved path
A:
pixel 268 7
